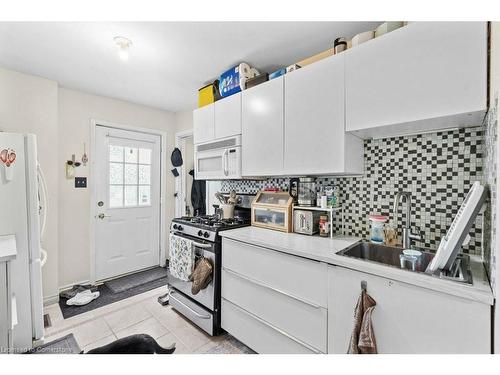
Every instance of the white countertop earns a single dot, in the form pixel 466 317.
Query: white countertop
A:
pixel 324 250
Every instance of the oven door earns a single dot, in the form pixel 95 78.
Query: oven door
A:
pixel 205 297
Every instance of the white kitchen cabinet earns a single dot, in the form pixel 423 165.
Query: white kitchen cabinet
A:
pixel 203 124
pixel 259 335
pixel 262 129
pixel 422 77
pixel 227 114
pixel 315 138
pixel 275 302
pixel 407 318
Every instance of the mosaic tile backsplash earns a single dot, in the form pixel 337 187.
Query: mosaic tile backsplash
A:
pixel 436 168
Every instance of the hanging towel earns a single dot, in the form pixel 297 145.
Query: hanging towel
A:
pixel 362 336
pixel 202 275
pixel 181 257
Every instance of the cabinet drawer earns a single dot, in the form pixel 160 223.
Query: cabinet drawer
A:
pixel 300 319
pixel 258 334
pixel 301 278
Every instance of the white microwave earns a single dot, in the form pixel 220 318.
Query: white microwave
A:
pixel 218 160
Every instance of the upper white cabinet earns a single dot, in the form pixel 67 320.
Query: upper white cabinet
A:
pixel 262 129
pixel 203 124
pixel 315 138
pixel 407 319
pixel 424 76
pixel 228 116
pixel 221 119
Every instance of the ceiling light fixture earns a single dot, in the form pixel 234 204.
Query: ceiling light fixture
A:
pixel 123 45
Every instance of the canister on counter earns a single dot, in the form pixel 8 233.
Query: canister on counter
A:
pixel 324 226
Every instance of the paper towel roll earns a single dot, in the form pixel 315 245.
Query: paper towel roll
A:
pixel 246 72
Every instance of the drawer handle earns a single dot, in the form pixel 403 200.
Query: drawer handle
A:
pixel 275 328
pixel 190 309
pixel 271 288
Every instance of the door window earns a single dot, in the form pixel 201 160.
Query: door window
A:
pixel 129 176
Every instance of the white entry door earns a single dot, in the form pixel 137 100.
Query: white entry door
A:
pixel 127 173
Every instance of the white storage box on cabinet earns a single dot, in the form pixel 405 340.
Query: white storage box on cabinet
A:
pixel 262 129
pixel 203 124
pixel 407 319
pixel 422 77
pixel 315 138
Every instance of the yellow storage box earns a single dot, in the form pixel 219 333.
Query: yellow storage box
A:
pixel 208 94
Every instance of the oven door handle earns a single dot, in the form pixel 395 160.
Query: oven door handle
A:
pixel 202 245
pixel 189 308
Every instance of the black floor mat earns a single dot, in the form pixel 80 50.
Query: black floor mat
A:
pixel 63 345
pixel 136 279
pixel 107 296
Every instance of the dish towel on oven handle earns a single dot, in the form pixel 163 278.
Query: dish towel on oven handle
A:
pixel 182 255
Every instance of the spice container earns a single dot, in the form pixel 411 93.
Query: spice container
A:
pixel 324 226
pixel 377 228
pixel 391 237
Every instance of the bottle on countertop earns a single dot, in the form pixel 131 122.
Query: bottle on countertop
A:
pixel 391 236
pixel 324 226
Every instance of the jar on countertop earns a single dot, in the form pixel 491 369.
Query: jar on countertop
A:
pixel 377 228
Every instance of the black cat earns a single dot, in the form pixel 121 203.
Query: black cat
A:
pixel 135 344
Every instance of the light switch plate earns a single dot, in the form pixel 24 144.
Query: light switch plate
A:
pixel 80 182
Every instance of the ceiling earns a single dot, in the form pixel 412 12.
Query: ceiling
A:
pixel 168 61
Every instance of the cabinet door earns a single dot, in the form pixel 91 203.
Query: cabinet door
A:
pixel 203 124
pixel 422 71
pixel 314 118
pixel 228 116
pixel 262 129
pixel 406 319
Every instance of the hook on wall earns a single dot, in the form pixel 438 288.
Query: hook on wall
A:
pixel 364 285
pixel 70 167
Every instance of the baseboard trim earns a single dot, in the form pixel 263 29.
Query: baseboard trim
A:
pixel 50 300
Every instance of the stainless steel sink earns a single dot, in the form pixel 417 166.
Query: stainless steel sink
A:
pixel 391 256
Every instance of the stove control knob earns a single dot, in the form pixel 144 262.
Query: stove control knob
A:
pixel 200 233
pixel 175 226
pixel 206 234
pixel 180 227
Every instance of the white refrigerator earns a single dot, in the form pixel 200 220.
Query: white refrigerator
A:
pixel 19 216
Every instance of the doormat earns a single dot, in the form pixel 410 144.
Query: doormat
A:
pixel 63 345
pixel 107 297
pixel 134 280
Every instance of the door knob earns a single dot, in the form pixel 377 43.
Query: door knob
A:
pixel 102 216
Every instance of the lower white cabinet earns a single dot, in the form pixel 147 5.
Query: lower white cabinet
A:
pixel 273 302
pixel 258 334
pixel 407 319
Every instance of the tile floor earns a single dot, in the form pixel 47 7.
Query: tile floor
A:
pixel 138 314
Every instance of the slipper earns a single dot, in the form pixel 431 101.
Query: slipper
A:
pixel 83 298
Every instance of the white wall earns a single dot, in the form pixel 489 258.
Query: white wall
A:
pixel 183 120
pixel 76 110
pixel 28 104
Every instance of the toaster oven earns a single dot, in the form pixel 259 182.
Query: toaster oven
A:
pixel 306 222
